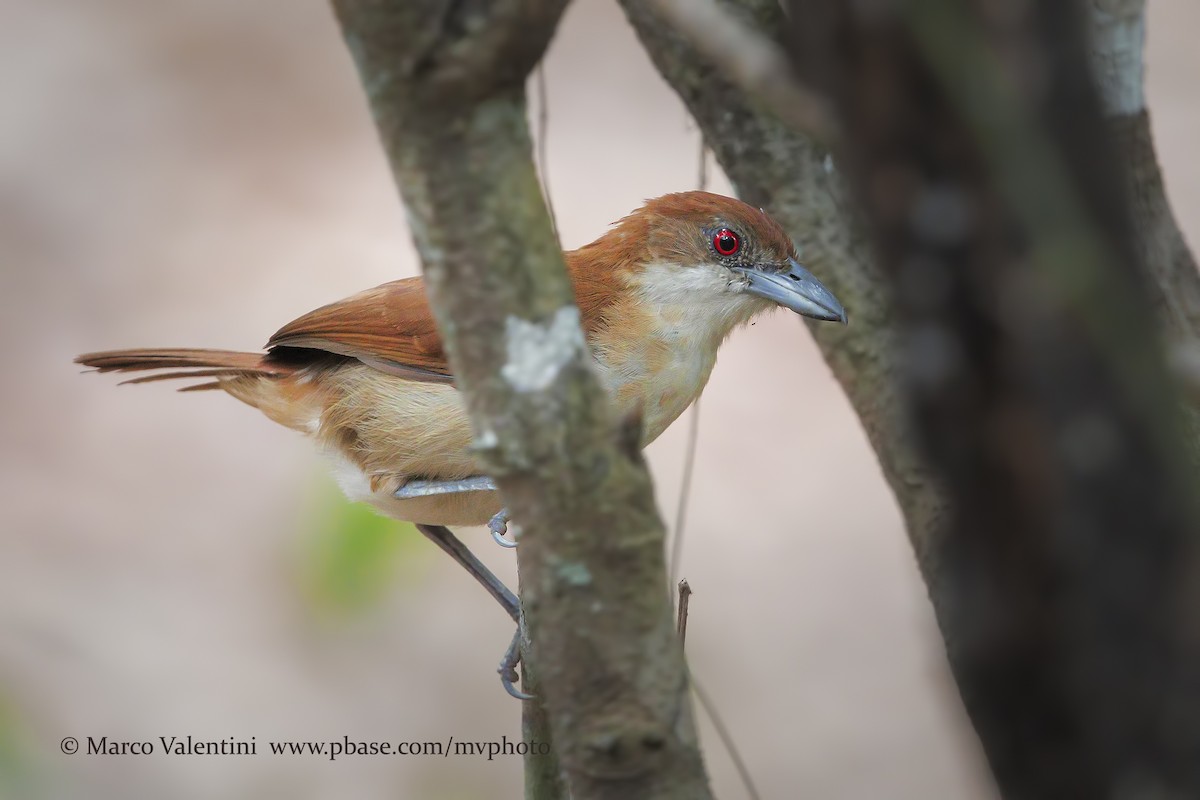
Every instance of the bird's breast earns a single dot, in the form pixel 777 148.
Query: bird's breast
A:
pixel 660 342
pixel 656 376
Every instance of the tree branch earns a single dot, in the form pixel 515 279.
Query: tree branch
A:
pixel 998 209
pixel 1117 31
pixel 445 79
pixel 756 63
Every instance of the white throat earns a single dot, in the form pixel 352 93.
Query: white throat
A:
pixel 683 314
pixel 701 304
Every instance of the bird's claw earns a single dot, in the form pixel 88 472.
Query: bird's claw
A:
pixel 509 677
pixel 498 525
pixel 508 668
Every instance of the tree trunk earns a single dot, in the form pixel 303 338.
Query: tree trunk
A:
pixel 975 142
pixel 446 81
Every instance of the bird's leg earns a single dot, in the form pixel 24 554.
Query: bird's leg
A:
pixel 498 524
pixel 443 538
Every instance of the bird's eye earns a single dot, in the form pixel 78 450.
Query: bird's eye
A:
pixel 726 242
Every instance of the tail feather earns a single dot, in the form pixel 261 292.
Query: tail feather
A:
pixel 189 373
pixel 180 358
pixel 185 363
pixel 254 378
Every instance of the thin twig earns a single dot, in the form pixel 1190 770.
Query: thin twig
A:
pixel 685 490
pixel 754 62
pixel 710 708
pixel 681 617
pixel 689 457
pixel 685 589
pixel 726 739
pixel 677 549
pixel 543 164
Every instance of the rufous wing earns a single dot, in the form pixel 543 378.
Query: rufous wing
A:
pixel 390 328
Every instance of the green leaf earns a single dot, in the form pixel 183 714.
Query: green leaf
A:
pixel 357 555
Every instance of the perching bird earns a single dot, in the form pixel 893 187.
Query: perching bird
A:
pixel 367 377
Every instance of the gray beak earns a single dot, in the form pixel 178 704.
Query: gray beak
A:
pixel 796 289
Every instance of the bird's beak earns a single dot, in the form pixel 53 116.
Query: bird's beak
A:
pixel 797 289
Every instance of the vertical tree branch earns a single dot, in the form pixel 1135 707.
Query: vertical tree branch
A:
pixel 445 79
pixel 998 210
pixel 1117 30
pixel 544 779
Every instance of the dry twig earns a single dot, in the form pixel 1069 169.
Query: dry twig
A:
pixel 681 616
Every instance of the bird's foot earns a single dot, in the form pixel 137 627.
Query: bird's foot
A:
pixel 412 489
pixel 508 668
pixel 498 525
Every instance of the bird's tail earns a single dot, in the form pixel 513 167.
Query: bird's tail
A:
pixel 271 385
pixel 185 363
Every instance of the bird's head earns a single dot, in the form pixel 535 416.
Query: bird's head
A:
pixel 713 254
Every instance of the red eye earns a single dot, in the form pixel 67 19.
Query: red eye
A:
pixel 726 242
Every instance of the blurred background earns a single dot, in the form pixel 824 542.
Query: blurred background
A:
pixel 199 172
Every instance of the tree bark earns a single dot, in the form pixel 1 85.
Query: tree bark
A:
pixel 975 143
pixel 445 80
pixel 1117 30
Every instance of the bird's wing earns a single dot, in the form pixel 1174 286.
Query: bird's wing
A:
pixel 390 328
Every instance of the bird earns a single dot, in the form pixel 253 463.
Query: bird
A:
pixel 368 377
